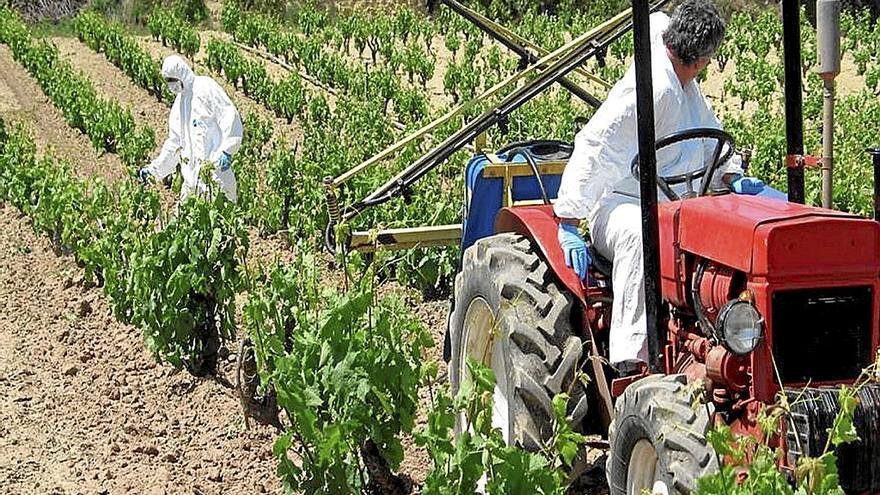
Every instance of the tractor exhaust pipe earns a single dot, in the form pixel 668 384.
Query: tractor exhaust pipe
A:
pixel 828 47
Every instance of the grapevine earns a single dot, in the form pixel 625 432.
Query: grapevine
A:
pixel 123 51
pixel 167 26
pixel 109 126
pixel 347 368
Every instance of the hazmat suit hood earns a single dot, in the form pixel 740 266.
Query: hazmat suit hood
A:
pixel 174 66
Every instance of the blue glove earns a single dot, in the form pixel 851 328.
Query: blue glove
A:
pixel 143 174
pixel 224 162
pixel 747 185
pixel 575 249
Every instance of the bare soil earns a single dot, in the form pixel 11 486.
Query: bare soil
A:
pixel 85 408
pixel 118 419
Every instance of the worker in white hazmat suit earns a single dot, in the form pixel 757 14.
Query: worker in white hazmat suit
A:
pixel 204 129
pixel 598 185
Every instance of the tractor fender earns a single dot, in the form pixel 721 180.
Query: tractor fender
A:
pixel 541 225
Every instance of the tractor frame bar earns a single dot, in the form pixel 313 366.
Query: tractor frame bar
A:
pixel 570 57
pixel 794 114
pixel 648 181
pixel 521 47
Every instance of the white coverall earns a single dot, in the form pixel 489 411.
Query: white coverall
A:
pixel 598 184
pixel 202 125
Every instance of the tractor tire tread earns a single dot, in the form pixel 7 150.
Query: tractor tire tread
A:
pixel 535 315
pixel 665 409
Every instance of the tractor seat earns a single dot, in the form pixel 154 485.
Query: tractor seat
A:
pixel 599 262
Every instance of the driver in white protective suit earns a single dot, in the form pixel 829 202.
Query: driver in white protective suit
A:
pixel 598 185
pixel 203 127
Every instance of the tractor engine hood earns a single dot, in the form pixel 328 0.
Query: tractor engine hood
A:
pixel 771 238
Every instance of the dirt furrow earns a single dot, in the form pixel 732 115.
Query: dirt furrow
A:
pixel 22 100
pixel 119 423
pixel 87 410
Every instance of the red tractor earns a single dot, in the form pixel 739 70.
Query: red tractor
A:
pixel 752 297
pixel 747 297
pixel 746 294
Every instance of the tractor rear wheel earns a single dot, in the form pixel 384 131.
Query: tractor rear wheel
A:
pixel 510 314
pixel 658 439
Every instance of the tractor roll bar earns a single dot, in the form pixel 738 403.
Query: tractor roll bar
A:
pixel 794 115
pixel 517 45
pixel 579 51
pixel 648 180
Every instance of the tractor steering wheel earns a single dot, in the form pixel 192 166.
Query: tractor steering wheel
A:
pixel 664 182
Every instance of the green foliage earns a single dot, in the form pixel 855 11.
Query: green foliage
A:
pixel 258 204
pixel 816 476
pixel 751 465
pixel 478 453
pixel 369 98
pixel 185 278
pixel 109 126
pixel 279 303
pixel 99 223
pixel 287 98
pixel 123 51
pixel 179 283
pixel 194 11
pixel 169 27
pixel 124 215
pixel 43 190
pixel 345 371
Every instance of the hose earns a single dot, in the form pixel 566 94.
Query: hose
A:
pixel 698 303
pixel 531 161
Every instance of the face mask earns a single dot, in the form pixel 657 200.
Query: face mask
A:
pixel 175 87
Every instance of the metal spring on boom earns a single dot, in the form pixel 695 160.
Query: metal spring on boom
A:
pixel 332 200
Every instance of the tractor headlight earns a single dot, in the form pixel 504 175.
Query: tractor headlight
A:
pixel 741 326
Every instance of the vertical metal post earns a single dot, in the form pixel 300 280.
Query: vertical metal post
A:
pixel 828 55
pixel 828 143
pixel 794 115
pixel 875 153
pixel 648 178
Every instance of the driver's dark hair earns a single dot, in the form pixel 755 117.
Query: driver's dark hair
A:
pixel 695 30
